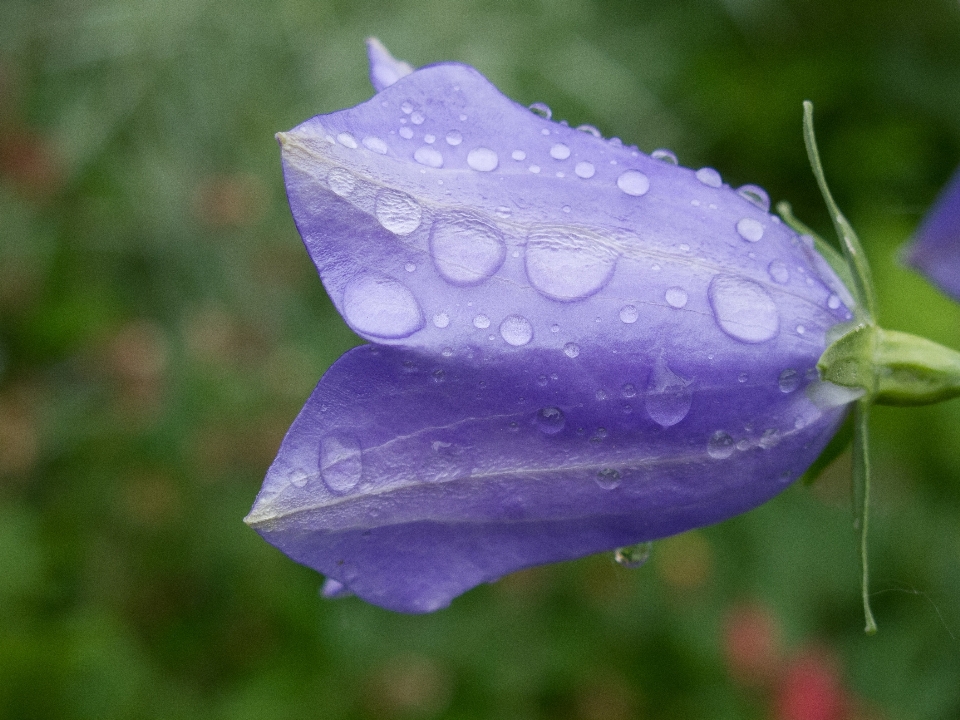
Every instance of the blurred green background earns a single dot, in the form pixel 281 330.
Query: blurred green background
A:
pixel 161 325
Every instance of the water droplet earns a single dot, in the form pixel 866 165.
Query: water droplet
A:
pixel 756 195
pixel 347 140
pixel 534 169
pixel 584 170
pixel 441 320
pixel 406 107
pixel 398 212
pixel 439 375
pixel 381 307
pixel 720 445
pixel 541 109
pixel 750 230
pixel 769 439
pixel 428 156
pixel 709 176
pixel 429 139
pixel 571 350
pixel 742 377
pixel 516 330
pixel 779 272
pixel 454 138
pixel 341 462
pixel 633 182
pixel 466 250
pixel 375 144
pixel 482 159
pixel 629 390
pixel 334 590
pixel 410 267
pixel 550 420
pixel 481 322
pixel 341 182
pixel 833 302
pixel 559 152
pixel 801 330
pixel 629 314
pixel 417 118
pixel 665 155
pixel 789 380
pixel 676 297
pixel 406 133
pixel 590 130
pixel 518 155
pixel 567 263
pixel 743 309
pixel 668 397
pixel 608 478
pixel 447 352
pixel 633 556
pixel 542 381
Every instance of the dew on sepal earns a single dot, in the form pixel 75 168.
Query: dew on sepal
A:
pixel 633 556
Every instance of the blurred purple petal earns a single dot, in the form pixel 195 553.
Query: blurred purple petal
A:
pixel 936 246
pixel 385 69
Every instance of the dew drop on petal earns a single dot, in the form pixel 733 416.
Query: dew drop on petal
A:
pixel 756 195
pixel 833 302
pixel 429 139
pixel 406 133
pixel 779 272
pixel 633 182
pixel 375 144
pixel 560 152
pixel 709 176
pixel 341 182
pixel 676 297
pixel 629 390
pixel 608 478
pixel 750 230
pixel 410 267
pixel 428 156
pixel 789 380
pixel 454 138
pixel 571 350
pixel 668 397
pixel 664 155
pixel 550 420
pixel 481 322
pixel 465 250
pixel 381 307
pixel 341 462
pixel 565 263
pixel 629 314
pixel 541 109
pixel 633 556
pixel 584 170
pixel 720 446
pixel 347 140
pixel 534 169
pixel 398 212
pixel 441 320
pixel 516 330
pixel 743 309
pixel 417 118
pixel 482 159
pixel 590 130
pixel 406 107
pixel 518 155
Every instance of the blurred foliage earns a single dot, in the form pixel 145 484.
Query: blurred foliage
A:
pixel 160 326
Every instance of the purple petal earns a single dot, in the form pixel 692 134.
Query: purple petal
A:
pixel 936 246
pixel 385 69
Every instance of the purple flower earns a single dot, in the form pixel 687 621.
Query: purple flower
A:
pixel 575 346
pixel 936 247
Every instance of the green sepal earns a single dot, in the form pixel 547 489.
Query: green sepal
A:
pixel 829 253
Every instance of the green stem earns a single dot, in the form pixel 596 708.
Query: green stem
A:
pixel 861 501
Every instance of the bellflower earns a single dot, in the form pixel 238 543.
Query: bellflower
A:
pixel 935 250
pixel 574 346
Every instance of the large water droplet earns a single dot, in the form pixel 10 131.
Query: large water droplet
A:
pixel 756 195
pixel 566 263
pixel 789 380
pixel 482 159
pixel 743 309
pixel 750 230
pixel 633 556
pixel 709 176
pixel 669 396
pixel 720 446
pixel 629 314
pixel 550 420
pixel 664 155
pixel 428 156
pixel 560 151
pixel 608 478
pixel 375 144
pixel 341 182
pixel 381 307
pixel 347 140
pixel 541 109
pixel 633 182
pixel 779 272
pixel 466 250
pixel 516 330
pixel 341 463
pixel 585 170
pixel 398 212
pixel 676 297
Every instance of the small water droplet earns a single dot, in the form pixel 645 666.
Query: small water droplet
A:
pixel 755 195
pixel 514 426
pixel 516 330
pixel 407 107
pixel 720 446
pixel 454 138
pixel 541 109
pixel 417 118
pixel 633 182
pixel 601 395
pixel 554 328
pixel 676 297
pixel 481 322
pixel 542 380
pixel 398 212
pixel 742 377
pixel 629 314
pixel 565 263
pixel 534 169
pixel 750 230
pixel 801 330
pixel 709 176
pixel 410 267
pixel 629 390
pixel 375 144
pixel 743 309
pixel 571 350
pixel 447 352
pixel 664 155
pixel 429 139
pixel 518 155
pixel 428 156
pixel 341 182
pixel 439 375
pixel 608 478
pixel 590 130
pixel 833 302
pixel 341 462
pixel 633 556
pixel 545 131
pixel 668 397
pixel 466 251
pixel 770 438
pixel 347 140
pixel 789 380
pixel 441 320
pixel 550 420
pixel 584 170
pixel 406 133
pixel 560 152
pixel 779 272
pixel 482 159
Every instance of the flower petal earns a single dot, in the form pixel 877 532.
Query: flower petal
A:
pixel 385 69
pixel 935 250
